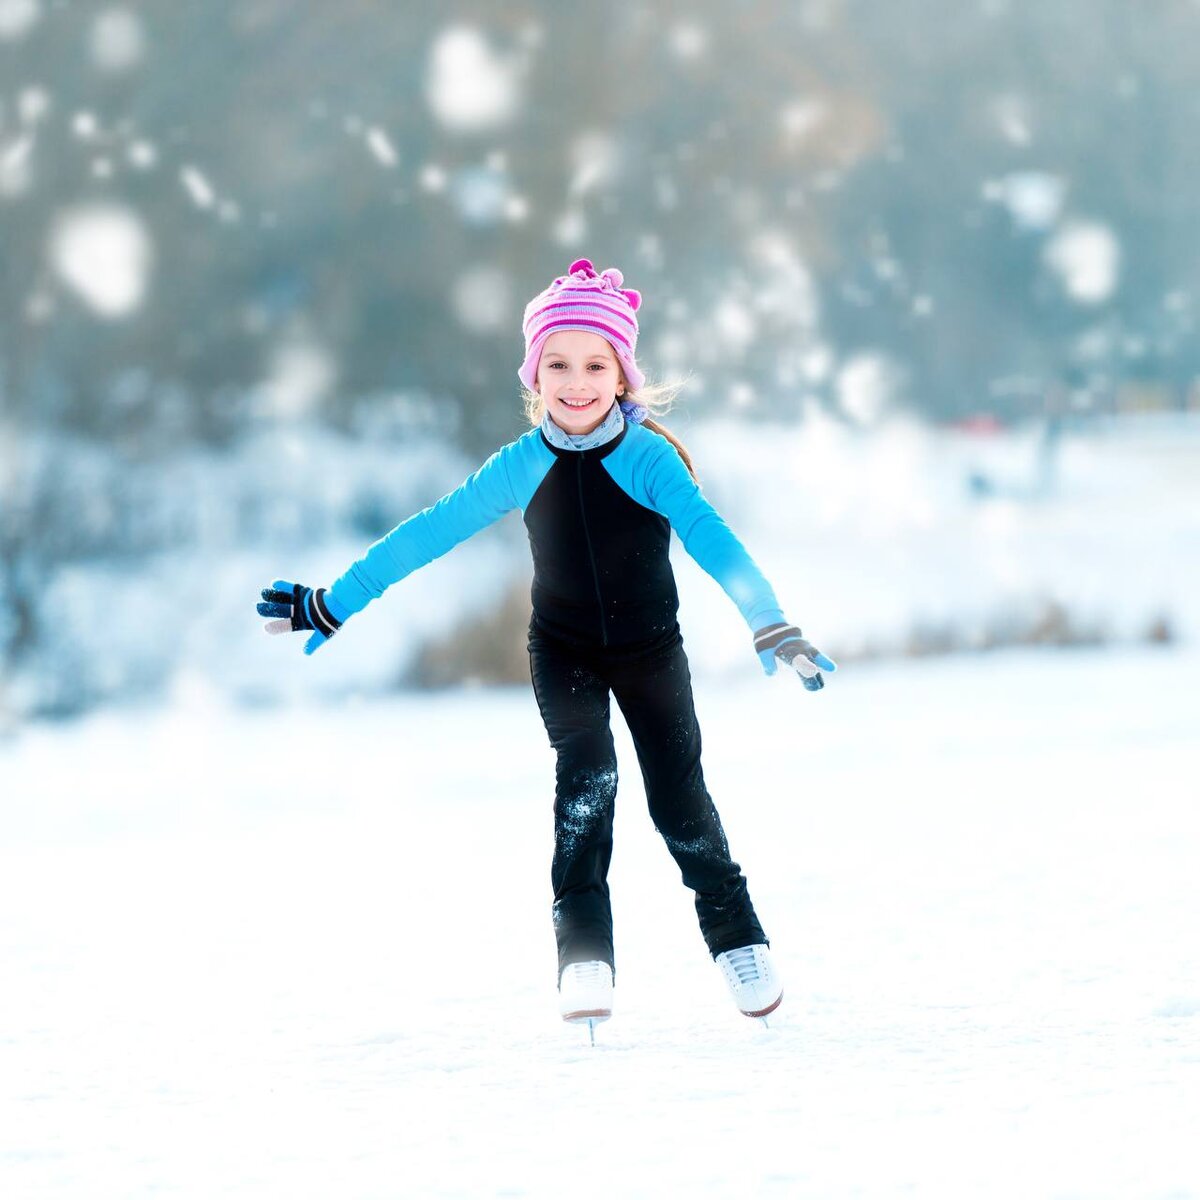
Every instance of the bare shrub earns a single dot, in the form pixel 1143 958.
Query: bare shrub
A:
pixel 487 648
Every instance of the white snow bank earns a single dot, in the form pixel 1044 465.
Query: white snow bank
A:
pixel 866 535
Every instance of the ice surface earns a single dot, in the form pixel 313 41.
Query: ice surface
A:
pixel 311 955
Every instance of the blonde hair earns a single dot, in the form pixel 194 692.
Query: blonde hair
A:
pixel 657 398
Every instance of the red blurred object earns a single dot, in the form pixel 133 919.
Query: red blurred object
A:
pixel 983 424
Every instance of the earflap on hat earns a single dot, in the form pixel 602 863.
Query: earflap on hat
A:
pixel 533 355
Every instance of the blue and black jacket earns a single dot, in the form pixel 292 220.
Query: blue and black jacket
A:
pixel 599 524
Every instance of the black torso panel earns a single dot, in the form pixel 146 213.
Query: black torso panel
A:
pixel 601 568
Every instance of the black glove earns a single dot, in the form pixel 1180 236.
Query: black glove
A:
pixel 297 607
pixel 782 643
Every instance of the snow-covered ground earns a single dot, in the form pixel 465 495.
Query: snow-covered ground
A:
pixel 309 954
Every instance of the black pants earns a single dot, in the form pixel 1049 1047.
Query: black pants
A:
pixel 652 685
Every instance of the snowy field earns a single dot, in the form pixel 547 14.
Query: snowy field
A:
pixel 309 954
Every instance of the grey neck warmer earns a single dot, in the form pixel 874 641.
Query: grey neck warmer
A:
pixel 608 429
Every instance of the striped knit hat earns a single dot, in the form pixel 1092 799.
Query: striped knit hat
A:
pixel 581 299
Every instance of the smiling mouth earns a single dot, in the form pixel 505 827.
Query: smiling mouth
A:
pixel 577 403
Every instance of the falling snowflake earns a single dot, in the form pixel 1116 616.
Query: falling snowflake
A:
pixel 200 190
pixel 469 86
pixel 103 253
pixel 118 43
pixel 381 147
pixel 482 299
pixel 1086 257
pixel 1033 198
pixel 17 17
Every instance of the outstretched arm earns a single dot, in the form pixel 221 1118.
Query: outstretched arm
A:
pixel 478 501
pixel 710 541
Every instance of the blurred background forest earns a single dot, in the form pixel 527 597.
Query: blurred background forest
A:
pixel 930 270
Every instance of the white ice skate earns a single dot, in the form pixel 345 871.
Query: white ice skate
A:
pixel 752 979
pixel 585 994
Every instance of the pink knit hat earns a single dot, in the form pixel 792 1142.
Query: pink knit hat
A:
pixel 581 299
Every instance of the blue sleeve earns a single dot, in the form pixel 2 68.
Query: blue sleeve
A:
pixel 478 501
pixel 674 493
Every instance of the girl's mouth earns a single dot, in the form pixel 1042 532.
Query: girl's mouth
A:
pixel 577 403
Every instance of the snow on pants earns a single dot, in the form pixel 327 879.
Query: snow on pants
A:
pixel 653 688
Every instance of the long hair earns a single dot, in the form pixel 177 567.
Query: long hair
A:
pixel 655 397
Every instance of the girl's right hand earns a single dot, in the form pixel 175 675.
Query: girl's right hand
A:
pixel 297 607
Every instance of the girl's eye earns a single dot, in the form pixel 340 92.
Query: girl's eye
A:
pixel 555 365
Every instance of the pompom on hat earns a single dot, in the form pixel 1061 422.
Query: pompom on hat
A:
pixel 595 303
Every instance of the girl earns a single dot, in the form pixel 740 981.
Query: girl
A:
pixel 600 486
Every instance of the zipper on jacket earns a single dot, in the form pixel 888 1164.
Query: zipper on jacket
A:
pixel 591 557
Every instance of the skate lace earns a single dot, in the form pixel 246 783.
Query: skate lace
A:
pixel 588 973
pixel 744 964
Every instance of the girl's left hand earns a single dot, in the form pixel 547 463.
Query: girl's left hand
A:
pixel 783 643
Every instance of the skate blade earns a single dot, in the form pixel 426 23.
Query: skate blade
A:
pixel 765 1012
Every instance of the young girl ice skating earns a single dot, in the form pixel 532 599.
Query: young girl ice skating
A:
pixel 600 487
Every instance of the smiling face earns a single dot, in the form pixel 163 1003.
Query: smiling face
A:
pixel 579 377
